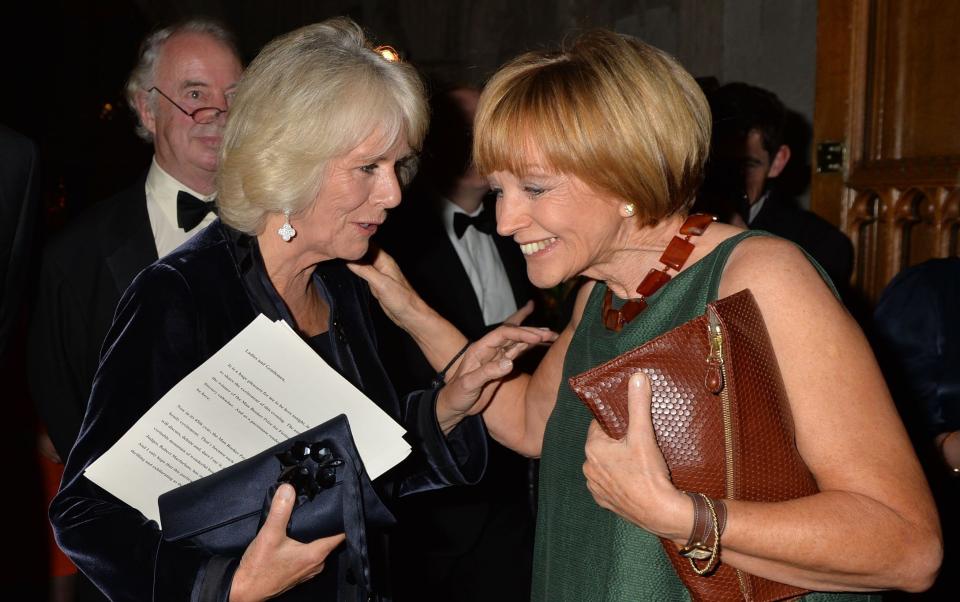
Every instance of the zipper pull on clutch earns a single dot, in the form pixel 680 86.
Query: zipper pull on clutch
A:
pixel 713 380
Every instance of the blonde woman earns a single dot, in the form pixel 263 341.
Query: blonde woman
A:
pixel 321 132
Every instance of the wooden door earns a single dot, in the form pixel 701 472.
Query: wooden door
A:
pixel 888 88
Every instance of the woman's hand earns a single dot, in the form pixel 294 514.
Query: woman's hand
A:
pixel 630 477
pixel 437 338
pixel 389 286
pixel 274 563
pixel 486 362
pixel 517 317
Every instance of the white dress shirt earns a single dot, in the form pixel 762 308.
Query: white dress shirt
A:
pixel 756 207
pixel 162 189
pixel 481 260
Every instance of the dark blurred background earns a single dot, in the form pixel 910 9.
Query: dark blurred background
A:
pixel 65 62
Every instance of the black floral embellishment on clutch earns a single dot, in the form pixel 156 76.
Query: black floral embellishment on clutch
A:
pixel 309 467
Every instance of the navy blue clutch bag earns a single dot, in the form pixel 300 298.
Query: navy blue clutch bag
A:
pixel 223 512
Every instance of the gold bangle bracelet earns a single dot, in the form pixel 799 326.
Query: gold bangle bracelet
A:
pixel 715 551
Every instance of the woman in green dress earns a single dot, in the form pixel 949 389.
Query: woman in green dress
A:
pixel 595 154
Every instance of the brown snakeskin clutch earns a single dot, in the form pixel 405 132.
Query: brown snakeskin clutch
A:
pixel 722 421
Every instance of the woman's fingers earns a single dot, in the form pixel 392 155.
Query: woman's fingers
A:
pixel 275 526
pixel 640 424
pixel 487 360
pixel 374 277
pixel 514 350
pixel 387 284
pixel 489 371
pixel 493 354
pixel 517 317
pixel 319 549
pixel 630 476
pixel 379 268
pixel 369 273
pixel 506 342
pixel 505 334
pixel 385 264
pixel 641 435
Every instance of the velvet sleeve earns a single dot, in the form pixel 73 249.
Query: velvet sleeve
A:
pixel 437 460
pixel 909 331
pixel 152 344
pixel 440 461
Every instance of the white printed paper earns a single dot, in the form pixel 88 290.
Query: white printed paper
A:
pixel 262 388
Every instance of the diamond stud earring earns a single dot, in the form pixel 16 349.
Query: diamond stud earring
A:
pixel 286 231
pixel 629 209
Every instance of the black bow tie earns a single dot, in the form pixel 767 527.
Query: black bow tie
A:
pixel 484 222
pixel 191 210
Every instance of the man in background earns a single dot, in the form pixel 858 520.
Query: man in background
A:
pixel 180 90
pixel 462 543
pixel 749 155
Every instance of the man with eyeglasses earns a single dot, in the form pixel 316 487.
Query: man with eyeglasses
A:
pixel 180 90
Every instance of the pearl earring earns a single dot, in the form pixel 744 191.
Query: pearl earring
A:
pixel 629 209
pixel 286 231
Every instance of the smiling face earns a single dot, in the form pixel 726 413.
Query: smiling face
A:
pixel 195 70
pixel 357 191
pixel 563 226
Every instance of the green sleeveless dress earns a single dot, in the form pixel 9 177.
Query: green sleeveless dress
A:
pixel 584 553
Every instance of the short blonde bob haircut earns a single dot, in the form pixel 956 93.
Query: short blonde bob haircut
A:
pixel 619 114
pixel 311 95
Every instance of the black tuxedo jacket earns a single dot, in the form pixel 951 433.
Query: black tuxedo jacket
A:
pixel 442 281
pixel 463 543
pixel 176 314
pixel 84 272
pixel 18 219
pixel 815 235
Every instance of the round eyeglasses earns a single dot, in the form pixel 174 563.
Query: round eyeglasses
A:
pixel 203 115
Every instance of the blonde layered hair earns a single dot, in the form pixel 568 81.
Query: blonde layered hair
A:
pixel 619 114
pixel 310 96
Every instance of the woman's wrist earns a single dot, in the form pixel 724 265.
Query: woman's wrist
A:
pixel 447 418
pixel 681 520
pixel 413 316
pixel 441 378
pixel 238 589
pixel 672 518
pixel 703 545
pixel 437 338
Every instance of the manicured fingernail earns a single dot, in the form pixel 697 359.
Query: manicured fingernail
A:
pixel 506 364
pixel 637 379
pixel 286 494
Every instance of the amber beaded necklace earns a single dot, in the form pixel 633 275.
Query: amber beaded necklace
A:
pixel 673 258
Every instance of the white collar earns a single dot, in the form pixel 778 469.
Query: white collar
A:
pixel 449 208
pixel 164 188
pixel 756 207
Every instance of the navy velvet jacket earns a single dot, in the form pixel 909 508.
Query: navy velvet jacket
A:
pixel 176 314
pixel 917 335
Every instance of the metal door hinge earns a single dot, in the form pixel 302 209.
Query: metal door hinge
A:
pixel 830 156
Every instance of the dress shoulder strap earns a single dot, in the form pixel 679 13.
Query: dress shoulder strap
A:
pixel 718 259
